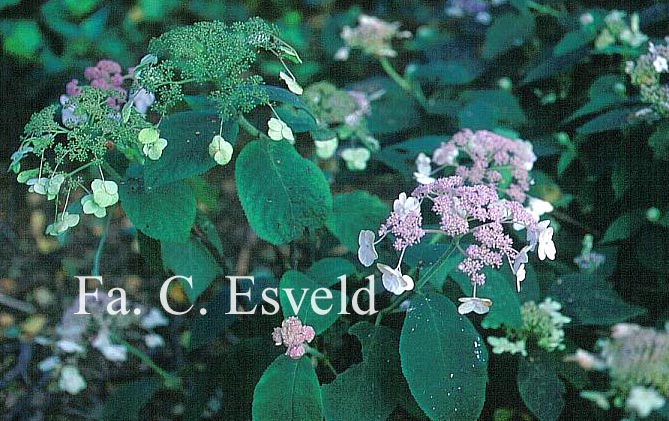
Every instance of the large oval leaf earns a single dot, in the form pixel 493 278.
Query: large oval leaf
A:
pixel 443 359
pixel 282 193
pixel 367 391
pixel 540 387
pixel 288 391
pixel 164 213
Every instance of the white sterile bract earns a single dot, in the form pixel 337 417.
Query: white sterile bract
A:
pixel 155 150
pixel 278 130
pixel 644 400
pixel 356 158
pixel 366 252
pixel 62 223
pixel 404 205
pixel 292 84
pixel 105 193
pixel 153 143
pixel 71 380
pixel 394 281
pixel 90 206
pixel 475 304
pixel 220 150
pixel 325 149
pixel 546 246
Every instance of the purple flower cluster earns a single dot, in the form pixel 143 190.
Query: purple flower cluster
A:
pixel 293 334
pixel 495 160
pixel 407 229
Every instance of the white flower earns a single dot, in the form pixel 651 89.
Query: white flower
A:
pixel 153 319
pixel 278 130
pixel 502 345
pixel 69 347
pixel 356 158
pixel 394 281
pixel 586 360
pixel 220 150
pixel 105 193
pixel 62 223
pixel 68 115
pixel 153 340
pixel 142 100
pixel 423 164
pixel 423 169
pixel 49 364
pixel 598 398
pixel 538 207
pixel 342 54
pixel 644 400
pixel 546 246
pixel 90 206
pixel 366 252
pixel 404 205
pixel 660 64
pixel 110 351
pixel 325 149
pixel 71 380
pixel 475 304
pixel 520 276
pixel 293 86
pixel 483 18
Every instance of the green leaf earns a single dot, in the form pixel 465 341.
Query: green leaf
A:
pixel 188 135
pixel 282 193
pixel 297 119
pixel 566 158
pixel 659 141
pixel 127 401
pixel 285 96
pixel 300 282
pixel 437 260
pixel 610 120
pixel 446 73
pixel 288 391
pixel 602 95
pixel 500 287
pixel 165 213
pixel 205 329
pixel 555 64
pixel 652 249
pixel 541 388
pixel 507 31
pixel 367 391
pixel 590 300
pixel 574 40
pixel 490 110
pixel 327 271
pixel 22 39
pixel 191 258
pixel 353 212
pixel 8 3
pixel 443 359
pixel 402 156
pixel 624 226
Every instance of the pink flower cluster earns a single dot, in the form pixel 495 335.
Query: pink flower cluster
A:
pixel 495 160
pixel 477 210
pixel 293 334
pixel 106 74
pixel 407 229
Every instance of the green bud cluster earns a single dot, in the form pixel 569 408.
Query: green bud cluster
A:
pixel 214 57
